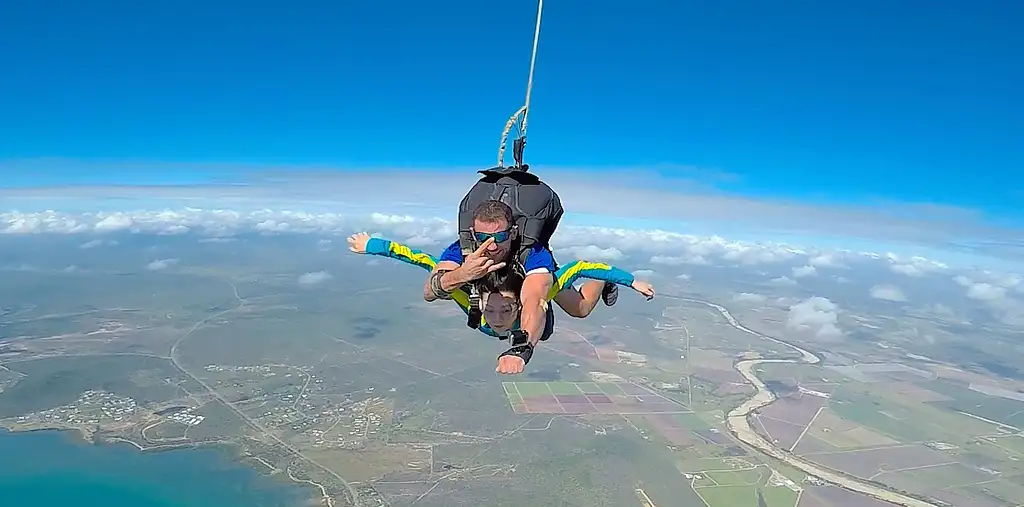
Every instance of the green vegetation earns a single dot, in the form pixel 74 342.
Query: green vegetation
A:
pixel 691 421
pixel 567 388
pixel 726 487
pixel 611 388
pixel 748 477
pixel 802 373
pixel 221 423
pixel 1008 491
pixel 779 496
pixel 905 422
pixel 589 387
pixel 56 381
pixel 728 496
pixel 994 408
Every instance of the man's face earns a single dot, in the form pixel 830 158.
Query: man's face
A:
pixel 499 250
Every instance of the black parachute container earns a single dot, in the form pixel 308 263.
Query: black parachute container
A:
pixel 536 207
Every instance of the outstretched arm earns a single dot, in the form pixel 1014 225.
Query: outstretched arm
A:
pixel 398 251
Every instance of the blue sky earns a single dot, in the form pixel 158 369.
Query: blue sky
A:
pixel 828 102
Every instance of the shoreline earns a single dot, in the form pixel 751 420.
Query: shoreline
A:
pixel 229 450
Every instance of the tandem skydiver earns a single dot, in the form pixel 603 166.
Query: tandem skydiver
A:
pixel 501 305
pixel 498 249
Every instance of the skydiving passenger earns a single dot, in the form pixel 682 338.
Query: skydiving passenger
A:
pixel 501 305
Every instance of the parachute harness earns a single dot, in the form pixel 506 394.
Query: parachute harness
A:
pixel 519 121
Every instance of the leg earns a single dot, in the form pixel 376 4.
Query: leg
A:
pixel 579 303
pixel 549 324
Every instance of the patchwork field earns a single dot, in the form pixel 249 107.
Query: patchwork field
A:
pixel 734 481
pixel 587 398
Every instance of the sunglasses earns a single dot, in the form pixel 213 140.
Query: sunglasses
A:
pixel 499 237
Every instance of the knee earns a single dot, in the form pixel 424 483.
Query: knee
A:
pixel 577 312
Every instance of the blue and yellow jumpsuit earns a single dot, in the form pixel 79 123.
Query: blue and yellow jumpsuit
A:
pixel 565 277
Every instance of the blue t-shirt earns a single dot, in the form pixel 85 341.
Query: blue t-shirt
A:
pixel 538 260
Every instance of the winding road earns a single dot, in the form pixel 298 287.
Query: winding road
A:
pixel 738 423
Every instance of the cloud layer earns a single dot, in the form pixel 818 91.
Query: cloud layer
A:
pixel 651 250
pixel 659 229
pixel 633 196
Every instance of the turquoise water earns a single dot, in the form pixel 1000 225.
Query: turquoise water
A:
pixel 56 469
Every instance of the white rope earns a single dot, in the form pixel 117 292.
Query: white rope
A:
pixel 533 63
pixel 523 112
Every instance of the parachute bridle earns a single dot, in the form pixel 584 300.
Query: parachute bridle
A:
pixel 520 117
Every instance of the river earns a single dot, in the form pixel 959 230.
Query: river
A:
pixel 738 422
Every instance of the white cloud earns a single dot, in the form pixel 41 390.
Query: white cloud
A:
pixel 591 242
pixel 314 277
pixel 888 293
pixel 643 273
pixel 657 246
pixel 161 264
pixel 804 271
pixel 115 223
pixel 97 243
pixel 591 253
pixel 676 260
pixel 747 297
pixel 996 296
pixel 420 241
pixel 825 260
pixel 684 199
pixel 985 292
pixel 816 315
pixel 914 266
pixel 684 277
pixel 982 291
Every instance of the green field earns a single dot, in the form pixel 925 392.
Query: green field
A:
pixel 737 477
pixel 589 387
pixel 527 388
pixel 691 421
pixel 564 388
pixel 995 408
pixel 722 487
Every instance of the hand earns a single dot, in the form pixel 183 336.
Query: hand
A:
pixel 644 288
pixel 510 365
pixel 357 242
pixel 477 265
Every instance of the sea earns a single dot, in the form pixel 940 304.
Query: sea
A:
pixel 58 469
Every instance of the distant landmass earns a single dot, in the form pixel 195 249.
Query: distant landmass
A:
pixel 218 373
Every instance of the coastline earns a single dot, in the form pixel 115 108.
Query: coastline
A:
pixel 230 452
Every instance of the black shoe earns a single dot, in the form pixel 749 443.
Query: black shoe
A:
pixel 610 293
